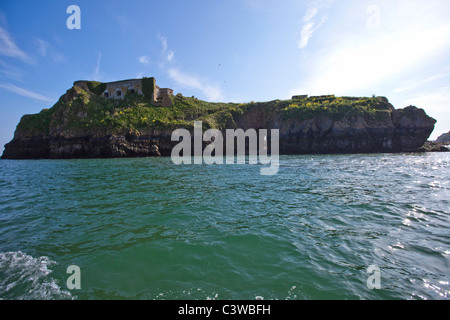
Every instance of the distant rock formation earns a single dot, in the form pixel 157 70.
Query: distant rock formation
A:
pixel 445 138
pixel 432 146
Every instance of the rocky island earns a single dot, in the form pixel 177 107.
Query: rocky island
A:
pixel 444 138
pixel 136 118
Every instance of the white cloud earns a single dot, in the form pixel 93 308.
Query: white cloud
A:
pixel 11 71
pixel 306 34
pixel 310 14
pixel 96 75
pixel 372 62
pixel 163 40
pixel 415 83
pixel 45 49
pixel 144 60
pixel 170 56
pixel 9 48
pixel 184 80
pixel 25 92
pixel 308 27
pixel 42 47
pixel 212 92
pixel 310 24
pixel 58 57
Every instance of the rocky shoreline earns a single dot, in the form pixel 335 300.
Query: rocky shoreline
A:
pixel 433 146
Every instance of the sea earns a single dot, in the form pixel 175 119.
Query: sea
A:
pixel 325 227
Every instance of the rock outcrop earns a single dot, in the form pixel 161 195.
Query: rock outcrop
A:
pixel 402 130
pixel 83 125
pixel 445 138
pixel 432 146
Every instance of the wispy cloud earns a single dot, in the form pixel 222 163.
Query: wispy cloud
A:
pixel 10 71
pixel 45 49
pixel 310 23
pixel 310 14
pixel 308 30
pixel 96 75
pixel 125 22
pixel 167 54
pixel 415 83
pixel 170 56
pixel 185 80
pixel 212 92
pixel 10 49
pixel 144 60
pixel 25 92
pixel 163 40
pixel 42 47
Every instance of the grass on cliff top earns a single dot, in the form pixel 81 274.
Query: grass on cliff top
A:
pixel 36 124
pixel 88 112
pixel 137 113
pixel 334 107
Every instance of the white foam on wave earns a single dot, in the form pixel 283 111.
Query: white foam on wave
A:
pixel 23 277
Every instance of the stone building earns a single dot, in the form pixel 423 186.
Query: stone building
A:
pixel 119 89
pixel 300 97
pixel 163 96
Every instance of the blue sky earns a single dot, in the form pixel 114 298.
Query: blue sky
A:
pixel 229 50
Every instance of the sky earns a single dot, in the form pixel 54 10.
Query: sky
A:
pixel 228 50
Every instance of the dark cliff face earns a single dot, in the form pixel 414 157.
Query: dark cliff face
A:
pixel 388 131
pixel 400 130
pixel 89 146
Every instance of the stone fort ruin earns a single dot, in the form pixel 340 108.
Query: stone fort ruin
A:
pixel 119 89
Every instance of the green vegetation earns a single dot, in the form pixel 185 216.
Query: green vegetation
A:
pixel 88 112
pixel 81 111
pixel 36 124
pixel 96 87
pixel 335 107
pixel 137 113
pixel 148 87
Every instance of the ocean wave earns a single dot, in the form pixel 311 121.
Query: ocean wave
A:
pixel 23 277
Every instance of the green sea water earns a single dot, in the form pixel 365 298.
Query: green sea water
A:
pixel 147 229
